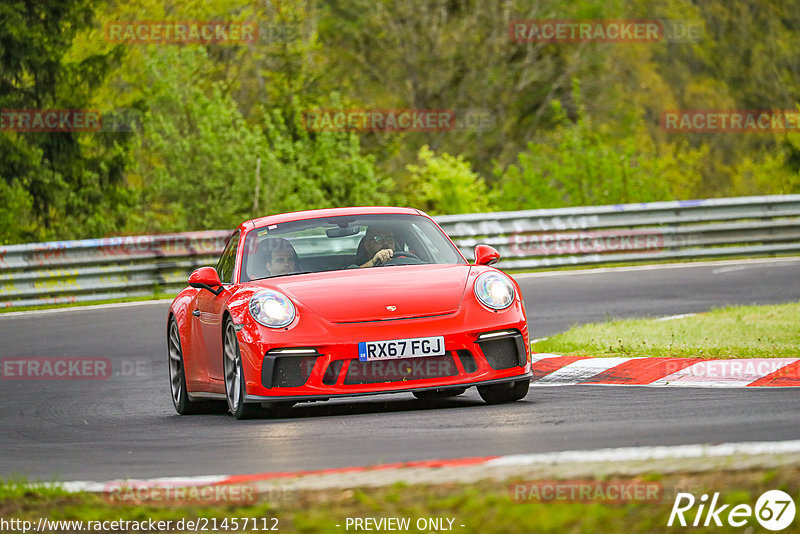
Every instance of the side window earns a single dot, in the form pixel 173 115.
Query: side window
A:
pixel 227 261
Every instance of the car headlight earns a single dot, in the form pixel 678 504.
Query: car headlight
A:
pixel 494 290
pixel 272 309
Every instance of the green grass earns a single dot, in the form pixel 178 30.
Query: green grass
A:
pixel 484 507
pixel 16 489
pixel 735 332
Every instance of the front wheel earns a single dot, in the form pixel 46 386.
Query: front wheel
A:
pixel 234 376
pixel 508 392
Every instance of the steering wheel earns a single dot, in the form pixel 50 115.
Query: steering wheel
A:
pixel 398 255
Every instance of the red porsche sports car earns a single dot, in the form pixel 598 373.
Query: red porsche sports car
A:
pixel 342 302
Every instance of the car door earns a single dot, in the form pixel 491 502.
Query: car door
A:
pixel 210 309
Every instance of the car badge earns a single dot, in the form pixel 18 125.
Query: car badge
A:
pixel 391 308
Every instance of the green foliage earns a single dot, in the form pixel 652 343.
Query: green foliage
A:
pixel 16 204
pixel 580 164
pixel 446 184
pixel 312 170
pixel 210 112
pixel 59 184
pixel 768 175
pixel 198 156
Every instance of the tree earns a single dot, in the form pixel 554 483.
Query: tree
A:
pixel 445 185
pixel 457 55
pixel 578 164
pixel 198 156
pixel 64 184
pixel 317 169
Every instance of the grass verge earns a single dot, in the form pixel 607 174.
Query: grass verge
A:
pixel 734 332
pixel 484 507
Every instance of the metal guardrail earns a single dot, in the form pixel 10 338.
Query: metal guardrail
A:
pixel 98 269
pixel 675 230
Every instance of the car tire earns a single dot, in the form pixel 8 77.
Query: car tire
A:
pixel 507 392
pixel 177 375
pixel 431 394
pixel 234 376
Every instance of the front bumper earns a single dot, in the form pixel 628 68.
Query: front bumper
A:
pixel 494 350
pixel 307 398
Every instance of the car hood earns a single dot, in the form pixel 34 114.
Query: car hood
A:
pixel 379 293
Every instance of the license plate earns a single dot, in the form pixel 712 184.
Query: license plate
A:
pixel 370 351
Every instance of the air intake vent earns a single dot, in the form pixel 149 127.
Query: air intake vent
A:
pixel 400 370
pixel 291 372
pixel 504 352
pixel 332 372
pixel 281 370
pixel 467 361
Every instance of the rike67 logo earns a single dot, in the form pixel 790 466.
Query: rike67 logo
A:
pixel 774 510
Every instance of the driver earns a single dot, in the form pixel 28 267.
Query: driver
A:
pixel 281 256
pixel 378 246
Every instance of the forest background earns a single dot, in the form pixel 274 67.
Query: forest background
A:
pixel 540 124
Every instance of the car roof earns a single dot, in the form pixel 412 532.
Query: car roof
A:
pixel 331 212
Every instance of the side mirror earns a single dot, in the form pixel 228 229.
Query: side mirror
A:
pixel 486 255
pixel 206 278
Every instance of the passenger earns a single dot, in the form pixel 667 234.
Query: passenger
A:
pixel 281 258
pixel 376 247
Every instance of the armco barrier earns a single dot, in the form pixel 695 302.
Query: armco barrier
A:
pixel 742 226
pixel 96 269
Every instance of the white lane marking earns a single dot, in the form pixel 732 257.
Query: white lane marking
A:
pixel 649 453
pixel 85 308
pixel 675 317
pixel 730 269
pixel 538 339
pixel 724 373
pixel 603 270
pixel 580 370
pixel 163 482
pixel 536 356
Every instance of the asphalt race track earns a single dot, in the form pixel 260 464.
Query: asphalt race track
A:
pixel 125 426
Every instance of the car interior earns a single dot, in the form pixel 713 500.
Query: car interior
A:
pixel 311 261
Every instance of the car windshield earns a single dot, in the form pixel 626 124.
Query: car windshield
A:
pixel 345 242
